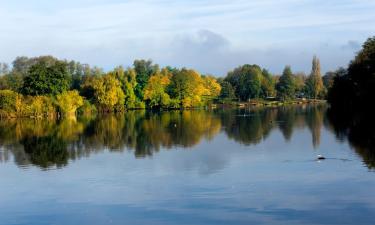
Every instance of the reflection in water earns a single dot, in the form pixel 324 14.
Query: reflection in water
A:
pixel 53 143
pixel 358 128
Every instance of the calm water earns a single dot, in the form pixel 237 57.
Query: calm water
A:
pixel 254 166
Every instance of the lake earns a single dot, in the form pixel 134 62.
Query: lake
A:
pixel 222 166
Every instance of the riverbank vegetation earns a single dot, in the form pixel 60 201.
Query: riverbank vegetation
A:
pixel 351 96
pixel 48 87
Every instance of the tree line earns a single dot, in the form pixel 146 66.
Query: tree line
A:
pixel 46 86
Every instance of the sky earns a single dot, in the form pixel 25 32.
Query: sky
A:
pixel 211 36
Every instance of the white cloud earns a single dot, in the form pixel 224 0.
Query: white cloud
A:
pixel 212 36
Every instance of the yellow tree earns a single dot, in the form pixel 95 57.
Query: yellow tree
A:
pixel 155 90
pixel 211 86
pixel 108 93
pixel 187 87
pixel 69 102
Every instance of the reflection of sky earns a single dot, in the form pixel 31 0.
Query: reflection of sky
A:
pixel 215 182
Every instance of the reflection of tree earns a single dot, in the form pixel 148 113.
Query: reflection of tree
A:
pixel 315 119
pixel 46 151
pixel 358 128
pixel 147 132
pixel 254 125
pixel 287 119
pixel 248 127
pixel 176 128
pixel 40 142
pixel 53 143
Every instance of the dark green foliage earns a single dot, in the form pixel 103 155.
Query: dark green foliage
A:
pixel 286 86
pixel 356 89
pixel 46 151
pixel 227 91
pixel 246 80
pixel 46 78
pixel 328 79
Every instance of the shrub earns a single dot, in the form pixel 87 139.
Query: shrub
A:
pixel 69 102
pixel 10 103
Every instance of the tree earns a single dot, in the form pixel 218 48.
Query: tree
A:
pixel 10 103
pixel 286 85
pixel 108 93
pixel 155 91
pixel 227 91
pixel 300 80
pixel 69 102
pixel 4 69
pixel 128 84
pixel 187 88
pixel 246 80
pixel 46 78
pixel 356 88
pixel 267 85
pixel 143 69
pixel 314 83
pixel 212 88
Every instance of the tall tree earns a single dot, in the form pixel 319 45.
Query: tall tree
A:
pixel 128 82
pixel 286 86
pixel 143 69
pixel 314 83
pixel 267 84
pixel 300 80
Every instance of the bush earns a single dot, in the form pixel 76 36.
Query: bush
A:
pixel 38 106
pixel 10 103
pixel 87 109
pixel 69 102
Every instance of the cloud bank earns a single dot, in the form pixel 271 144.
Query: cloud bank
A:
pixel 210 36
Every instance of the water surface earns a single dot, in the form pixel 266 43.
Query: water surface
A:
pixel 248 166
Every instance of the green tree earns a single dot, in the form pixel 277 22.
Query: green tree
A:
pixel 286 85
pixel 355 89
pixel 143 69
pixel 246 80
pixel 267 85
pixel 227 91
pixel 314 83
pixel 46 78
pixel 300 80
pixel 128 82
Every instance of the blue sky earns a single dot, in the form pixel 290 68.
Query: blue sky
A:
pixel 212 36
